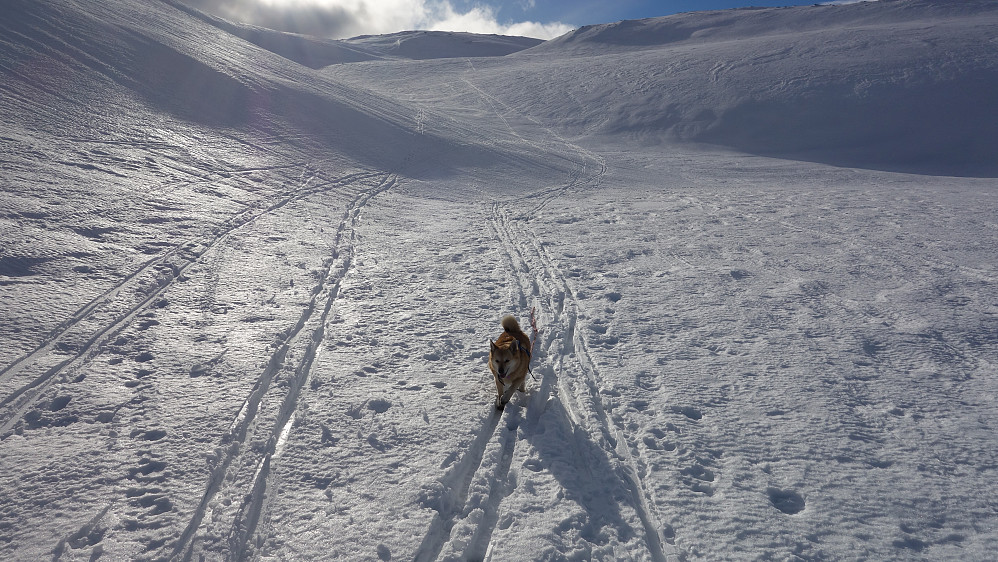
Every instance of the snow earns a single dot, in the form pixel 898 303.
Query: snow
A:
pixel 421 45
pixel 246 302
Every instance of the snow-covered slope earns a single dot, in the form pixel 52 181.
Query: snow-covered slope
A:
pixel 245 303
pixel 900 85
pixel 421 45
pixel 740 24
pixel 313 52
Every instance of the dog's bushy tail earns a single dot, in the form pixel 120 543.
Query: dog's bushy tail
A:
pixel 510 324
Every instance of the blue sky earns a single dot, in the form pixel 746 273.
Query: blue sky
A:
pixel 543 19
pixel 585 12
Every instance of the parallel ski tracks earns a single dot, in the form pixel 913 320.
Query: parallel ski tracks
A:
pixel 458 484
pixel 50 357
pixel 459 479
pixel 562 346
pixel 584 175
pixel 565 345
pixel 250 496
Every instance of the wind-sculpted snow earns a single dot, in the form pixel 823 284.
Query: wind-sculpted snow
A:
pixel 245 304
pixel 896 84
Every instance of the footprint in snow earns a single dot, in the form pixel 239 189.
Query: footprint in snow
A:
pixel 647 381
pixel 148 471
pixel 150 435
pixel 787 501
pixel 657 440
pixel 696 477
pixel 59 403
pixel 657 445
pixel 699 472
pixel 688 411
pixel 379 405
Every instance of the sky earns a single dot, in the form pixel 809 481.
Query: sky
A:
pixel 543 19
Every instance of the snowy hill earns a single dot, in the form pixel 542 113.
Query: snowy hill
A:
pixel 887 85
pixel 421 45
pixel 312 52
pixel 247 281
pixel 754 23
pixel 315 52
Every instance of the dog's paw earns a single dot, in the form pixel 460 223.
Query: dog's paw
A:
pixel 500 405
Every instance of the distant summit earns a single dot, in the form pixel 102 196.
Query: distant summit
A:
pixel 318 52
pixel 422 45
pixel 741 23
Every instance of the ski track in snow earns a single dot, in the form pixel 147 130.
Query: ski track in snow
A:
pixel 249 497
pixel 543 288
pixel 560 347
pixel 564 345
pixel 161 272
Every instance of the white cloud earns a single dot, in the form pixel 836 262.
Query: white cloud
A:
pixel 538 30
pixel 346 18
pixel 482 19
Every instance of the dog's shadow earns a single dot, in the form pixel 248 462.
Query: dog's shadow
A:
pixel 583 470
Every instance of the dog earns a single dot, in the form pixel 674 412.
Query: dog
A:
pixel 509 360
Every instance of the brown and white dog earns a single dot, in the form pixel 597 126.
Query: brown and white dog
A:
pixel 509 361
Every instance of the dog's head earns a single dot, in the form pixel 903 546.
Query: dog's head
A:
pixel 504 360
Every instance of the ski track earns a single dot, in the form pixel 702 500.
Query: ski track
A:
pixel 458 482
pixel 250 498
pixel 549 293
pixel 536 281
pixel 581 177
pixel 165 269
pixel 562 321
pixel 459 479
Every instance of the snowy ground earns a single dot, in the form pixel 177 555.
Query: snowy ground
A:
pixel 260 332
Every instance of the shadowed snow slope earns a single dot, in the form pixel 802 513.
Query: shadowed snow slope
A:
pixel 895 84
pixel 246 295
pixel 312 52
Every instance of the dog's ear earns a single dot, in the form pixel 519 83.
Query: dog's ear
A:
pixel 492 345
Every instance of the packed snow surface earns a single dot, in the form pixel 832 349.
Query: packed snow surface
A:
pixel 246 295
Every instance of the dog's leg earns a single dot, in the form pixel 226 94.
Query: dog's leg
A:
pixel 508 393
pixel 499 403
